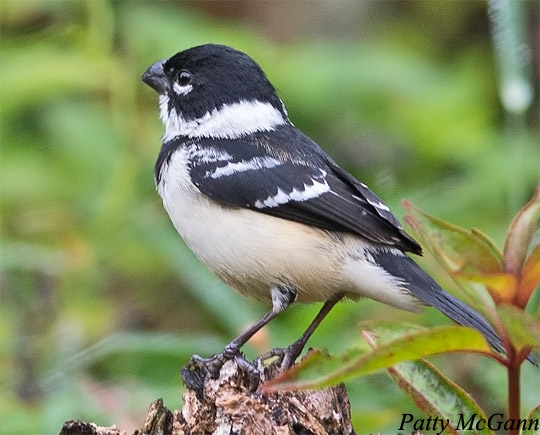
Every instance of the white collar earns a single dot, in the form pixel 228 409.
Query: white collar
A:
pixel 229 122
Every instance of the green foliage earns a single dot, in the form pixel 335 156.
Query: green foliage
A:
pixel 93 274
pixel 410 346
pixel 467 256
pixel 430 390
pixel 534 414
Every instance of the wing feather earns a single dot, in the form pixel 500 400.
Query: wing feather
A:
pixel 303 185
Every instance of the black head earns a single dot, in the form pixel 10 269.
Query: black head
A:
pixel 204 78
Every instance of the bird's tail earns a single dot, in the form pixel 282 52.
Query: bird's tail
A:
pixel 460 313
pixel 421 285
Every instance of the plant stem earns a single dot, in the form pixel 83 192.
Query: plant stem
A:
pixel 514 394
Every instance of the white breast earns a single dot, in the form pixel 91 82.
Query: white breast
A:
pixel 249 250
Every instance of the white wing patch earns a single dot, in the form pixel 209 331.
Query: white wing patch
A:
pixel 376 204
pixel 231 121
pixel 207 154
pixel 309 192
pixel 243 166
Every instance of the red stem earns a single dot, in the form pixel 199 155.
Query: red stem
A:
pixel 514 394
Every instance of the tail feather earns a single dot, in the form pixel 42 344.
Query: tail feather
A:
pixel 421 285
pixel 460 313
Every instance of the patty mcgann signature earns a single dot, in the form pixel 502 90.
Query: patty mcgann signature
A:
pixel 495 422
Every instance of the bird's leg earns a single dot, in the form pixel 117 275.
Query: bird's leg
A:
pixel 282 298
pixel 215 362
pixel 289 354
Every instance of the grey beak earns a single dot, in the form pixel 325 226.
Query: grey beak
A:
pixel 155 77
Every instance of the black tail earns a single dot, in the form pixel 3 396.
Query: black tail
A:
pixel 428 291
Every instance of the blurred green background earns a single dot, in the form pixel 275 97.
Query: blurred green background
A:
pixel 101 301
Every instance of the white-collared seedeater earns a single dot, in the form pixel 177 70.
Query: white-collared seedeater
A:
pixel 267 210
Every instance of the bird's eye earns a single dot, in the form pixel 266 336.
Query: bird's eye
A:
pixel 184 78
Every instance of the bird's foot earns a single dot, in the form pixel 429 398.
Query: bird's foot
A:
pixel 211 365
pixel 286 356
pixel 199 369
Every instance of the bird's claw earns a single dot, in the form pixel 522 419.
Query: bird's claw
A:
pixel 198 369
pixel 211 365
pixel 252 372
pixel 286 356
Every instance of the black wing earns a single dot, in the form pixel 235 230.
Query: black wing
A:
pixel 299 183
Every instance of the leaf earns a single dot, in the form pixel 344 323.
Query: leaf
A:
pixel 520 234
pixel 523 331
pixel 534 415
pixel 411 346
pixel 462 251
pixel 501 286
pixel 530 278
pixel 488 242
pixel 431 391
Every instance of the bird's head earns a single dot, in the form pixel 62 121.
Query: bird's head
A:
pixel 214 91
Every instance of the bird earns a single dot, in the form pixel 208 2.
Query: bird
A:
pixel 268 211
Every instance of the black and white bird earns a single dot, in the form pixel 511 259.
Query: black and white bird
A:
pixel 267 210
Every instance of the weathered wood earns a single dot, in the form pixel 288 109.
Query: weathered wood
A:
pixel 227 405
pixel 75 427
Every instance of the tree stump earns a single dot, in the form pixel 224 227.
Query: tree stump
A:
pixel 226 405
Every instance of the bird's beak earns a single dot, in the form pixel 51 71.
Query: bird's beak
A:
pixel 155 77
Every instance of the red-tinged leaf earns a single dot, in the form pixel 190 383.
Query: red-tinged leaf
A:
pixel 532 418
pixel 488 242
pixel 315 364
pixel 530 278
pixel 469 252
pixel 520 233
pixel 522 329
pixel 431 391
pixel 411 346
pixel 501 286
pixel 434 240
